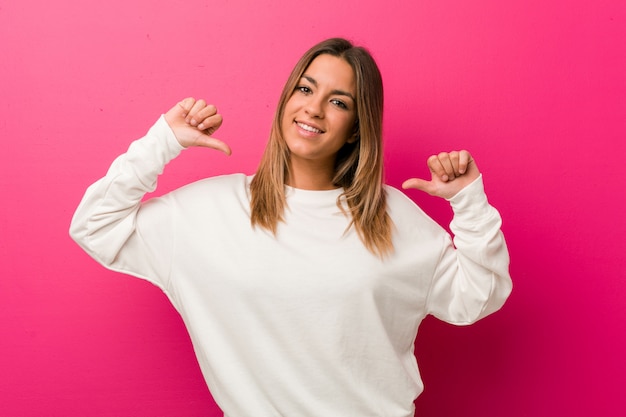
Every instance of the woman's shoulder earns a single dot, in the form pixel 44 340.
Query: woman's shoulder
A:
pixel 221 185
pixel 404 210
pixel 226 181
pixel 396 199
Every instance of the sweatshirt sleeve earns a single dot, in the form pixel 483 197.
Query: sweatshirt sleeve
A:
pixel 107 223
pixel 472 276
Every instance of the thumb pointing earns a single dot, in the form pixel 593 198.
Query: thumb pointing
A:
pixel 417 184
pixel 213 143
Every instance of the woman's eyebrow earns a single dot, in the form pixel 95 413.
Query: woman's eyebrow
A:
pixel 334 92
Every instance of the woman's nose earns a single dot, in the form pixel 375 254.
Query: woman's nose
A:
pixel 315 107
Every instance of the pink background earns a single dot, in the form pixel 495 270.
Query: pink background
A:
pixel 535 89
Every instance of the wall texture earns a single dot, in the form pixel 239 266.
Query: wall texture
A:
pixel 535 89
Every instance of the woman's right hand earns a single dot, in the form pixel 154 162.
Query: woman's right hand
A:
pixel 193 122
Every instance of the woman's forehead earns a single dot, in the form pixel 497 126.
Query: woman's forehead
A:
pixel 331 71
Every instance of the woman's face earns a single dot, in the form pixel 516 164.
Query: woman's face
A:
pixel 319 117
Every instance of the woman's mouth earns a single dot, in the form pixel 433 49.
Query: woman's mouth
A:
pixel 309 128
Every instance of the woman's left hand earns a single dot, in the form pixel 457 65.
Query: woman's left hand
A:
pixel 450 173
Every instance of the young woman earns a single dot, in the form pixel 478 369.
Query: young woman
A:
pixel 303 286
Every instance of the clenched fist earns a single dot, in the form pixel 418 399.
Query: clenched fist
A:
pixel 193 122
pixel 450 173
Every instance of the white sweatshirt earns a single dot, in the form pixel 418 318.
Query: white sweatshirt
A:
pixel 307 323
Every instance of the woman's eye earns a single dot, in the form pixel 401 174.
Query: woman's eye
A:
pixel 339 103
pixel 303 89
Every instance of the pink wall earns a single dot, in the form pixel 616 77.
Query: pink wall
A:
pixel 535 89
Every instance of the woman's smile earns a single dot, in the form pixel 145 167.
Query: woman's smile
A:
pixel 309 129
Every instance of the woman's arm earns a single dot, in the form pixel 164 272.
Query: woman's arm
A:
pixel 472 277
pixel 107 223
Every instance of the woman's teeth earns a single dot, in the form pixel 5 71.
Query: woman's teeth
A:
pixel 308 128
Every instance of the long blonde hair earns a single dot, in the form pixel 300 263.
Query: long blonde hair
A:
pixel 358 166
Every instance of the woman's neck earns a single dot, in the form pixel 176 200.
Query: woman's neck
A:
pixel 311 176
